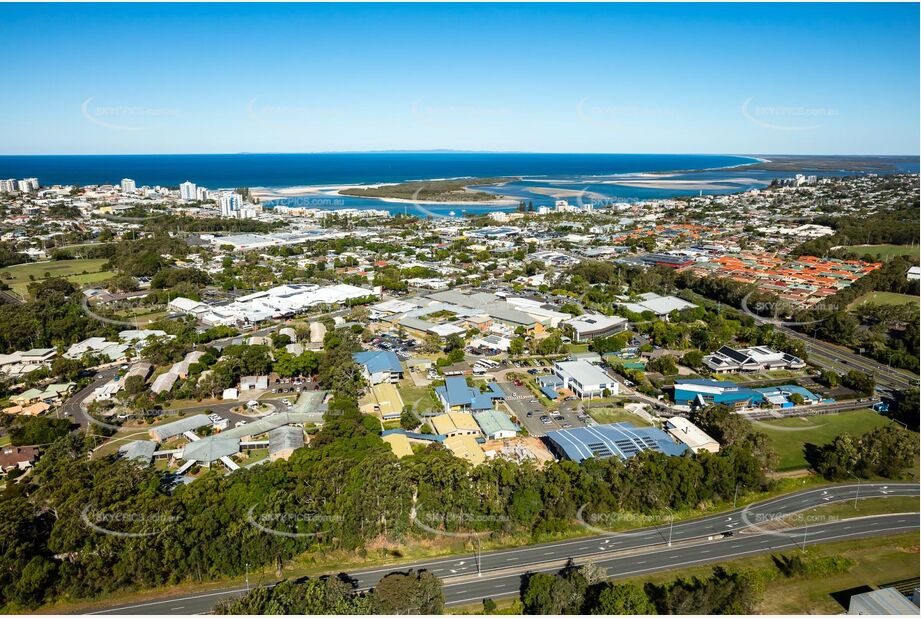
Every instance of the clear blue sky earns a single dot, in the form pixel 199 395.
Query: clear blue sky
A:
pixel 719 78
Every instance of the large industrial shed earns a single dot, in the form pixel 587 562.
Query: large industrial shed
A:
pixel 615 440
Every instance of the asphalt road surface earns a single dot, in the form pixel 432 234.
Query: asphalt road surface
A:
pixel 725 536
pixel 830 356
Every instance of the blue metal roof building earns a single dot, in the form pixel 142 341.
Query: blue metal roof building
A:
pixel 614 440
pixel 549 392
pixel 456 394
pixel 376 361
pixel 706 392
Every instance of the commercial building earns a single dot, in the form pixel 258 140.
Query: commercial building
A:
pixel 759 358
pixel 882 602
pixel 691 435
pixel 585 379
pixel 621 440
pixel 128 185
pixel 593 325
pixel 659 305
pixel 278 302
pixel 695 393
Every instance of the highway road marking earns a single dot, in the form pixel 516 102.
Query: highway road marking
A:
pixel 172 609
pixel 912 525
pixel 121 609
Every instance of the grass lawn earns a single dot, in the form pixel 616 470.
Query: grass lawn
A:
pixel 5 441
pixel 77 271
pixel 789 435
pixel 616 415
pixel 865 507
pixel 887 251
pixel 880 561
pixel 421 398
pixel 254 455
pixel 886 298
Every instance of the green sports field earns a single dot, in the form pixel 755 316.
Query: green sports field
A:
pixel 80 272
pixel 887 251
pixel 886 298
pixel 789 435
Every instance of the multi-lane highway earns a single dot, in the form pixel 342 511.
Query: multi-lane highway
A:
pixel 830 356
pixel 725 536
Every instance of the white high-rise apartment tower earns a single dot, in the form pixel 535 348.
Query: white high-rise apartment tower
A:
pixel 187 191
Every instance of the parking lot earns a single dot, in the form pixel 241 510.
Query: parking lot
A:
pixel 522 402
pixel 402 347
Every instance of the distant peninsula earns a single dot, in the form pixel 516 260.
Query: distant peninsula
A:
pixel 453 190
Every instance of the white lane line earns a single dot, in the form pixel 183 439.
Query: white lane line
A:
pixel 120 610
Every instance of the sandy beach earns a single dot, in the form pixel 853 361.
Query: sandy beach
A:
pixel 564 193
pixel 265 194
pixel 687 185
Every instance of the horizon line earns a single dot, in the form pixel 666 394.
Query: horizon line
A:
pixel 447 151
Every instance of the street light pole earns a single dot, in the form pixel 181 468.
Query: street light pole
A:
pixel 247 577
pixel 857 495
pixel 805 533
pixel 736 496
pixel 479 556
pixel 671 525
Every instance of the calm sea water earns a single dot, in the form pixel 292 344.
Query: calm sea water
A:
pixel 540 170
pixel 285 170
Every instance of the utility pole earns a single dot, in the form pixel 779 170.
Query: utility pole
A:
pixel 247 577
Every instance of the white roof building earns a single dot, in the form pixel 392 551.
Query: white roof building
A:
pixel 691 435
pixel 592 325
pixel 660 305
pixel 585 379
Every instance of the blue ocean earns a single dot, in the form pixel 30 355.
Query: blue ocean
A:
pixel 545 177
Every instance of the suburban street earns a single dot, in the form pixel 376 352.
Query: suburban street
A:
pixel 742 531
